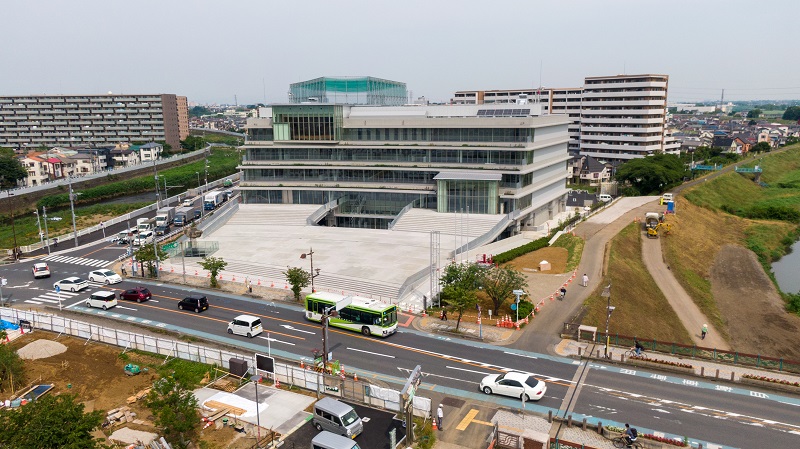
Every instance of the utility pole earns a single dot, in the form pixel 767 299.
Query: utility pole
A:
pixel 72 208
pixel 610 309
pixel 155 174
pixel 310 255
pixel 46 232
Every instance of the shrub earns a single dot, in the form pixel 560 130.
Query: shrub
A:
pixel 771 379
pixel 512 254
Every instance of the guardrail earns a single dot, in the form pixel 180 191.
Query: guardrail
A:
pixel 321 212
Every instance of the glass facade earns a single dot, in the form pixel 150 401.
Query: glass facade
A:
pixel 461 195
pixel 379 155
pixel 307 122
pixel 350 90
pixel 499 135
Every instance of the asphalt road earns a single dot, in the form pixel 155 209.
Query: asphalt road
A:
pixel 705 411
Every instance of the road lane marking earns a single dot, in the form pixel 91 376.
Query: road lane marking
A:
pixel 373 353
pixel 483 373
pixel 521 355
pixel 276 341
pixel 295 329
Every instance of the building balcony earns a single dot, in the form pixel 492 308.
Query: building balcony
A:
pixel 338 185
pixel 622 138
pixel 621 129
pixel 624 94
pixel 619 147
pixel 624 120
pixel 628 103
pixel 621 84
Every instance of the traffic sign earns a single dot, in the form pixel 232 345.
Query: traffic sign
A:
pixel 169 246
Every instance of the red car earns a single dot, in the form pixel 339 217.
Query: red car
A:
pixel 137 294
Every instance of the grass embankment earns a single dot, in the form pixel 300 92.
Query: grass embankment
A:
pixel 222 162
pixel 642 310
pixel 574 246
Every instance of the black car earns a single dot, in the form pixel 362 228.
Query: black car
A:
pixel 198 303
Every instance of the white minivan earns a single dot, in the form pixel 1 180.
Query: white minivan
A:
pixel 246 325
pixel 604 197
pixel 102 299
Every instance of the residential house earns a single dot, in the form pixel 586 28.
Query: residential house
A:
pixel 37 167
pixel 593 172
pixel 724 142
pixel 125 157
pixel 149 151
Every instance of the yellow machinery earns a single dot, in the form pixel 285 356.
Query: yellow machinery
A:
pixel 653 222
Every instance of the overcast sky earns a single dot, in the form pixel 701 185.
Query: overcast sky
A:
pixel 212 51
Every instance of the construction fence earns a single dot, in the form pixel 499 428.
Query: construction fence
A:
pixel 342 384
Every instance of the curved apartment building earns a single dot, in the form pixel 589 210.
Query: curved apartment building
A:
pixel 370 163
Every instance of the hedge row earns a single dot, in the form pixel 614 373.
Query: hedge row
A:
pixel 512 254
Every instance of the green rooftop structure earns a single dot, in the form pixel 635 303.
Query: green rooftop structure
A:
pixel 357 90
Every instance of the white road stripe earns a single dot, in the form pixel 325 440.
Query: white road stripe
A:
pixel 51 301
pixel 126 308
pixel 276 341
pixel 373 353
pixel 468 370
pixel 76 304
pixel 29 301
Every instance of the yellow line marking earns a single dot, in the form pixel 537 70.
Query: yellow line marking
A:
pixel 467 419
pixel 483 422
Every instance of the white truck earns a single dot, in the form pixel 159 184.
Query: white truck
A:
pixel 212 200
pixel 165 215
pixel 145 224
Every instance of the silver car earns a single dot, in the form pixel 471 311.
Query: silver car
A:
pixel 72 284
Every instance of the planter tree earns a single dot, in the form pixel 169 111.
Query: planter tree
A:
pixel 147 254
pixel 499 284
pixel 460 283
pixel 298 278
pixel 213 265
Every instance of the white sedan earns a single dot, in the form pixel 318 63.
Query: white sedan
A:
pixel 514 384
pixel 105 276
pixel 72 284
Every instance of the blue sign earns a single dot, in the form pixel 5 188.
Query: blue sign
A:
pixel 513 307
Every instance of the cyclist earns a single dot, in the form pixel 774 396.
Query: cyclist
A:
pixel 637 347
pixel 630 434
pixel 563 292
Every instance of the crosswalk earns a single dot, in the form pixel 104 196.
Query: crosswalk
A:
pixel 51 297
pixel 78 261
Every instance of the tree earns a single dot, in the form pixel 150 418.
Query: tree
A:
pixel 460 283
pixel 50 422
pixel 175 409
pixel 214 265
pixel 193 143
pixel 146 255
pixel 12 368
pixel 500 282
pixel 792 140
pixel 754 113
pixel 11 169
pixel 652 174
pixel 761 147
pixel 298 278
pixel 791 113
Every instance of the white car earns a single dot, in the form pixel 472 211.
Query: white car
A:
pixel 102 300
pixel 40 270
pixel 72 284
pixel 105 276
pixel 188 202
pixel 514 384
pixel 143 238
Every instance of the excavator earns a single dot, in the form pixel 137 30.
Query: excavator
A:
pixel 653 223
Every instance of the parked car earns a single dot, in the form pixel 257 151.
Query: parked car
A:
pixel 40 270
pixel 514 384
pixel 105 276
pixel 137 294
pixel 198 303
pixel 72 284
pixel 103 299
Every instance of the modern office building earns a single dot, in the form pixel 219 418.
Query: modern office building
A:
pixel 363 90
pixel 612 118
pixel 623 116
pixel 92 120
pixel 368 163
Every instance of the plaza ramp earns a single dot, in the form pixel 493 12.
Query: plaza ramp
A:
pixel 467 225
pixel 272 214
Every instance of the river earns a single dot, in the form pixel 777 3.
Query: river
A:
pixel 786 270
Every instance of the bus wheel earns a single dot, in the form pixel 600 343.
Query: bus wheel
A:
pixel 365 331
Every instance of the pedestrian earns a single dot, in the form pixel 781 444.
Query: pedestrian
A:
pixel 585 280
pixel 55 242
pixel 440 416
pixel 444 314
pixel 122 268
pixel 703 332
pixel 563 293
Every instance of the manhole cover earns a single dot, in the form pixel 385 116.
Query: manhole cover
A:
pixel 453 402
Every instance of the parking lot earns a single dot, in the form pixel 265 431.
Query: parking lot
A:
pixel 377 425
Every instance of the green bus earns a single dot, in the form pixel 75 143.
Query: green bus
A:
pixel 368 316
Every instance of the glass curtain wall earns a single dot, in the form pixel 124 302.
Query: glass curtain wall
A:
pixel 455 195
pixel 350 90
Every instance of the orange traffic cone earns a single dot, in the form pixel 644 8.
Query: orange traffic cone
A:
pixel 434 423
pixel 171 269
pixel 302 365
pixel 355 377
pixel 259 281
pixel 234 278
pixel 277 382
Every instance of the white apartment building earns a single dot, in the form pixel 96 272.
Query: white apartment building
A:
pixel 150 151
pixel 617 117
pixel 623 116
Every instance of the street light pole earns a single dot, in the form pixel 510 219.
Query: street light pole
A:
pixel 610 309
pixel 39 225
pixel 256 379
pixel 13 227
pixel 72 208
pixel 310 255
pixel 46 232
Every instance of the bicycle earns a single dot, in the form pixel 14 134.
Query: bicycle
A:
pixel 631 354
pixel 620 441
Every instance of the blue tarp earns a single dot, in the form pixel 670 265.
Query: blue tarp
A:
pixel 8 325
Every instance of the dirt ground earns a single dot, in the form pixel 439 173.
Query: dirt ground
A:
pixel 556 256
pixel 741 288
pixel 94 372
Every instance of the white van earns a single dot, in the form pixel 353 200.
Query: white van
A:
pixel 604 197
pixel 337 417
pixel 246 325
pixel 666 198
pixel 327 440
pixel 102 299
